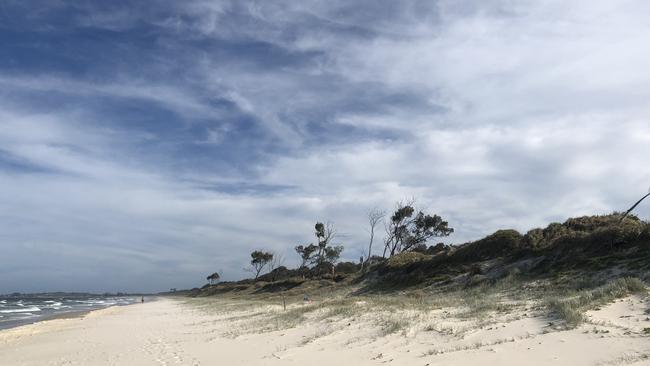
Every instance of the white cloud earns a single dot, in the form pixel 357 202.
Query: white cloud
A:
pixel 178 99
pixel 494 115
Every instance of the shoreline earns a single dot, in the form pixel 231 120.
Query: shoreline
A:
pixel 13 324
pixel 72 314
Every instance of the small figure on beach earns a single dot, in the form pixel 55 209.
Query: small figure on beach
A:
pixel 142 299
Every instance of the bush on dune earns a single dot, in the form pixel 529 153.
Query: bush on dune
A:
pixel 501 243
pixel 589 231
pixel 404 259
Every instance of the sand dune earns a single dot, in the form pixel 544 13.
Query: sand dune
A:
pixel 211 332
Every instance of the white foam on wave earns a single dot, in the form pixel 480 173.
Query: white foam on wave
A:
pixel 100 302
pixel 23 310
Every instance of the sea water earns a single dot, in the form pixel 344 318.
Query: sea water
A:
pixel 15 311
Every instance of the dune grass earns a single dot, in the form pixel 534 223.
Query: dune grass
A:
pixel 412 311
pixel 571 307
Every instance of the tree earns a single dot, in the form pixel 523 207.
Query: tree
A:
pixel 374 217
pixel 259 260
pixel 322 254
pixel 408 230
pixel 306 252
pixel 213 278
pixel 332 255
pixel 324 234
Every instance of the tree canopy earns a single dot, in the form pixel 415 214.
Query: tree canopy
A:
pixel 306 253
pixel 213 277
pixel 322 255
pixel 259 260
pixel 408 230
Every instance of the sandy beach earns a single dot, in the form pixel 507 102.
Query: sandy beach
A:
pixel 233 332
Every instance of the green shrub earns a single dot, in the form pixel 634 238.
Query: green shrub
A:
pixel 501 243
pixel 591 233
pixel 347 267
pixel 533 238
pixel 553 232
pixel 406 258
pixel 592 223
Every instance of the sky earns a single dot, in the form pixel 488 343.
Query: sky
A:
pixel 145 145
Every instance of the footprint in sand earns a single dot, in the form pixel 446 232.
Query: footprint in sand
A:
pixel 167 353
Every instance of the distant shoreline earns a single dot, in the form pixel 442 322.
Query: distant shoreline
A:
pixel 71 314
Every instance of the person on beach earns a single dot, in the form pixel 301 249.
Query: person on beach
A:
pixel 142 299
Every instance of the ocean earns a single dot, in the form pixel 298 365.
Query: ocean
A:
pixel 15 311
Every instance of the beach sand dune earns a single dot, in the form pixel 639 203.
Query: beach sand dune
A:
pixel 211 332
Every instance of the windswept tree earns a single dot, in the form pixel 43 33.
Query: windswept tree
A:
pixel 324 235
pixel 408 229
pixel 306 253
pixel 259 260
pixel 375 216
pixel 213 278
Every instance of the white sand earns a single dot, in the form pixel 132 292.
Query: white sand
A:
pixel 169 332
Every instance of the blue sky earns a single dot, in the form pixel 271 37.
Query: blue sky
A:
pixel 145 146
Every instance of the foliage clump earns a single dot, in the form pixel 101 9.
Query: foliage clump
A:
pixel 320 258
pixel 501 243
pixel 259 260
pixel 406 258
pixel 410 230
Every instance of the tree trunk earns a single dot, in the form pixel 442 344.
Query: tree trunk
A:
pixel 372 235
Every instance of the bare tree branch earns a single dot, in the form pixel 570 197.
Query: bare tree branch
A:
pixel 375 216
pixel 634 206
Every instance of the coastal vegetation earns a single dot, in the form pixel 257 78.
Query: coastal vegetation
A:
pixel 259 260
pixel 563 270
pixel 213 278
